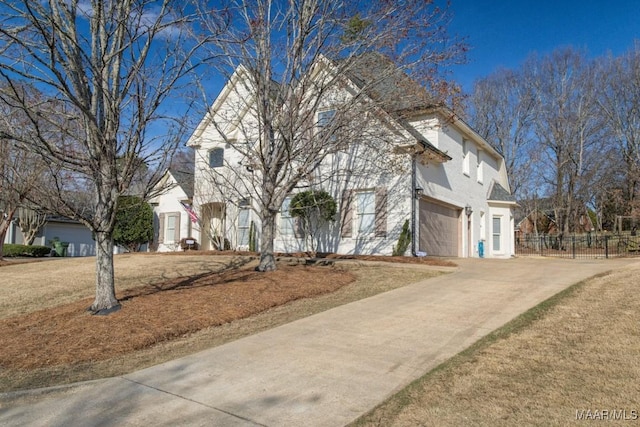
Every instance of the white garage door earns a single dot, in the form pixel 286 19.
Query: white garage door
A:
pixel 439 229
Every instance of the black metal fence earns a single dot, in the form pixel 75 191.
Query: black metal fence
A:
pixel 590 245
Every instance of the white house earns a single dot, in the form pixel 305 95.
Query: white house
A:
pixel 440 175
pixel 172 220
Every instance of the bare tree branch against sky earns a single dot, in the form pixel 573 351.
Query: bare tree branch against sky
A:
pixel 502 33
pixel 90 78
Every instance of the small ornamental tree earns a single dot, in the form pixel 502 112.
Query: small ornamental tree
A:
pixel 313 209
pixel 403 241
pixel 134 223
pixel 30 222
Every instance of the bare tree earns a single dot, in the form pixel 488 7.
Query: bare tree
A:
pixel 292 60
pixel 580 120
pixel 106 70
pixel 568 128
pixel 502 111
pixel 22 173
pixel 30 222
pixel 619 101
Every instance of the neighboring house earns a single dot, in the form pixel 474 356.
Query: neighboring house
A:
pixel 171 221
pixel 78 236
pixel 442 177
pixel 543 221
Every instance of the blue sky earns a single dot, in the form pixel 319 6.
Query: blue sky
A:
pixel 503 33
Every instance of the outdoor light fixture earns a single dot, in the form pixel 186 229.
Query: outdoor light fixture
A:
pixel 468 210
pixel 418 192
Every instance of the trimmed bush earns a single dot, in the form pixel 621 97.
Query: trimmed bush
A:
pixel 11 250
pixel 403 242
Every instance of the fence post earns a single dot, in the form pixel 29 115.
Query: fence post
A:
pixel 573 245
pixel 541 245
pixel 606 246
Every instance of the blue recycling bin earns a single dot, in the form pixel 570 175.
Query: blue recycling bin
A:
pixel 481 249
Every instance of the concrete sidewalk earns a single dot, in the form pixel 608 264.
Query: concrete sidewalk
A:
pixel 324 370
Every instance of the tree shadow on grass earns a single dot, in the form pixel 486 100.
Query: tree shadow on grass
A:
pixel 228 272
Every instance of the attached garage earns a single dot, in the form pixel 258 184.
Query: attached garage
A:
pixel 439 226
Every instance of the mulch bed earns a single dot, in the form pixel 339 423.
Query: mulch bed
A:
pixel 151 314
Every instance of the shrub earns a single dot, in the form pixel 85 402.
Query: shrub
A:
pixel 11 250
pixel 313 209
pixel 134 223
pixel 403 241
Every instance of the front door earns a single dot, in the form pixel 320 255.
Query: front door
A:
pixel 213 231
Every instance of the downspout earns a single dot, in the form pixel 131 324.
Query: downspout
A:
pixel 413 205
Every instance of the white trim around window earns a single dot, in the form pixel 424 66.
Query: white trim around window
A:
pixel 496 234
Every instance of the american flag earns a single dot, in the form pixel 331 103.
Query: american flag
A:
pixel 190 211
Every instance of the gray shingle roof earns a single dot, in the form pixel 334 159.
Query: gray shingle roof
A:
pixel 397 93
pixel 500 194
pixel 383 81
pixel 185 181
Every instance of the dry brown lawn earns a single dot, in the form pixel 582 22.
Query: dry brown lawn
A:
pixel 578 354
pixel 172 305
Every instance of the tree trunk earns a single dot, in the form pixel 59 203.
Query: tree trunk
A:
pixel 4 226
pixel 2 235
pixel 267 260
pixel 105 301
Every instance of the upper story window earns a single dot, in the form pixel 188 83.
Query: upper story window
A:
pixel 480 173
pixel 325 117
pixel 466 157
pixel 216 158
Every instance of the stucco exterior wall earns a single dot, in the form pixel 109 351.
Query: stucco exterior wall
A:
pixel 169 204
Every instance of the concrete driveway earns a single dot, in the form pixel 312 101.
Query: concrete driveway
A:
pixel 324 370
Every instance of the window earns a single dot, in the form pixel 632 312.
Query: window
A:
pixel 496 233
pixel 216 158
pixel 465 158
pixel 244 222
pixel 480 175
pixel 325 117
pixel 324 121
pixel 169 227
pixel 366 212
pixel 286 221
